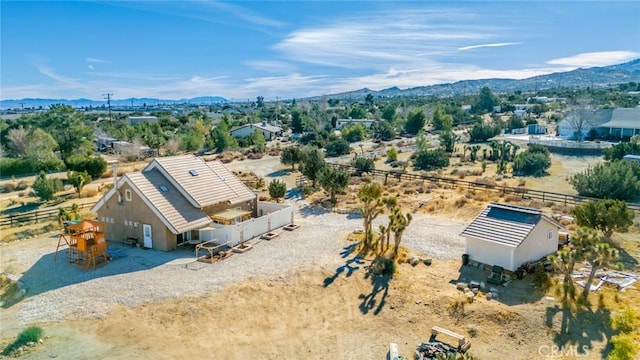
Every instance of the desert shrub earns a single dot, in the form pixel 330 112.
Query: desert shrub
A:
pixel 617 180
pixel 461 202
pixel 337 147
pixel 540 277
pixel 95 166
pixel 45 188
pixel 383 266
pixel 32 334
pixel 363 165
pixel 626 320
pixel 624 347
pixel 431 159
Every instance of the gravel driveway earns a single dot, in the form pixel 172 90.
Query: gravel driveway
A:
pixel 57 290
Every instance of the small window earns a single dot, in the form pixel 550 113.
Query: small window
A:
pixel 193 172
pixel 164 188
pixel 550 235
pixel 127 195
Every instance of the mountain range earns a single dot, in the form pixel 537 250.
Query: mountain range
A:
pixel 115 103
pixel 594 76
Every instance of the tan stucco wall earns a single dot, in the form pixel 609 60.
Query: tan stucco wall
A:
pixel 134 211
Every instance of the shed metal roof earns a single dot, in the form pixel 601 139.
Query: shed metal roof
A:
pixel 505 224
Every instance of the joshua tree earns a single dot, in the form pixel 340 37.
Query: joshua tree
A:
pixel 372 205
pixel 400 223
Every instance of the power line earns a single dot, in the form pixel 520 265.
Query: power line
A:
pixel 108 97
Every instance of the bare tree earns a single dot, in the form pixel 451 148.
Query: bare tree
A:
pixel 580 118
pixel 17 141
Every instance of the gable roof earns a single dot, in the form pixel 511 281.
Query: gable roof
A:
pixel 628 118
pixel 263 126
pixel 594 118
pixel 505 224
pixel 202 183
pixel 175 211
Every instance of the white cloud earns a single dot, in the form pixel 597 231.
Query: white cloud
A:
pixel 488 45
pixel 379 40
pixel 96 60
pixel 91 67
pixel 602 58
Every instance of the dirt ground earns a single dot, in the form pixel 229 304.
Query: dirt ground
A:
pixel 326 313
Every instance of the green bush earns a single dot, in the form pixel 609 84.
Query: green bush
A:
pixel 16 167
pixel 431 159
pixel 95 166
pixel 531 163
pixel 624 347
pixel 363 165
pixel 337 147
pixel 482 132
pixel 616 180
pixel 626 320
pixel 32 334
pixel 45 188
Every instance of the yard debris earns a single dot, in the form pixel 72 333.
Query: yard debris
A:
pixel 621 280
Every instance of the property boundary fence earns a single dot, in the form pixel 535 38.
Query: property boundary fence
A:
pixel 522 192
pixel 12 220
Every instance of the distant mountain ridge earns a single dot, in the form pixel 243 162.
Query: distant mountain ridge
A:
pixel 595 76
pixel 115 103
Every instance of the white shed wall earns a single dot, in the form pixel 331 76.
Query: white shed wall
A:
pixel 489 253
pixel 537 244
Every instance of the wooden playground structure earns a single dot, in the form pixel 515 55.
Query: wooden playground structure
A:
pixel 87 245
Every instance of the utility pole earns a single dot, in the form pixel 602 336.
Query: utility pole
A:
pixel 108 97
pixel 22 106
pixel 277 110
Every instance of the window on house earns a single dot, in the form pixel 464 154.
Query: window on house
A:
pixel 127 195
pixel 550 235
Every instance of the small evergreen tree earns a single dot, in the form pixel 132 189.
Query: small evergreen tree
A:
pixel 277 189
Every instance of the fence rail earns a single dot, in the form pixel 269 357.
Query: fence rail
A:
pixel 525 193
pixel 18 219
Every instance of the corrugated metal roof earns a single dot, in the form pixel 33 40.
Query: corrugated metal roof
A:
pixel 213 184
pixel 624 118
pixel 170 204
pixel 504 224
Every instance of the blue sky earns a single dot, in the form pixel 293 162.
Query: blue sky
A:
pixel 287 49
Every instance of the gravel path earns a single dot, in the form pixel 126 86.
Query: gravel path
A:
pixel 57 290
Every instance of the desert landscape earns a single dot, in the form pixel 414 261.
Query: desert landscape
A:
pixel 303 294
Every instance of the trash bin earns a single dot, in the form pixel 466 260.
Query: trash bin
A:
pixel 465 259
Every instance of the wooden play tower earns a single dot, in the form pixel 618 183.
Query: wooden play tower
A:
pixel 87 246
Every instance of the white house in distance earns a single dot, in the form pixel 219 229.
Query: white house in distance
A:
pixel 270 132
pixel 614 123
pixel 340 123
pixel 509 236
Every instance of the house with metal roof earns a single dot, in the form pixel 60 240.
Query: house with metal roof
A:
pixel 509 236
pixel 585 119
pixel 184 199
pixel 624 123
pixel 269 131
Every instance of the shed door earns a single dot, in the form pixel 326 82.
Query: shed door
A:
pixel 146 232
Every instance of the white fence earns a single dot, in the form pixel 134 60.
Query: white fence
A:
pixel 274 216
pixel 568 144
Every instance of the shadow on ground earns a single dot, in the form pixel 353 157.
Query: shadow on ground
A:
pixel 376 299
pixel 516 291
pixel 309 210
pixel 48 274
pixel 578 330
pixel 350 266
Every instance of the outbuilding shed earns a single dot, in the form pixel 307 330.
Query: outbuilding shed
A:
pixel 509 236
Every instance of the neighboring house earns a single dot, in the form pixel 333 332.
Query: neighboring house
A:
pixel 133 120
pixel 270 132
pixel 509 236
pixel 623 123
pixel 536 129
pixel 590 119
pixel 340 123
pixel 182 199
pixel 631 157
